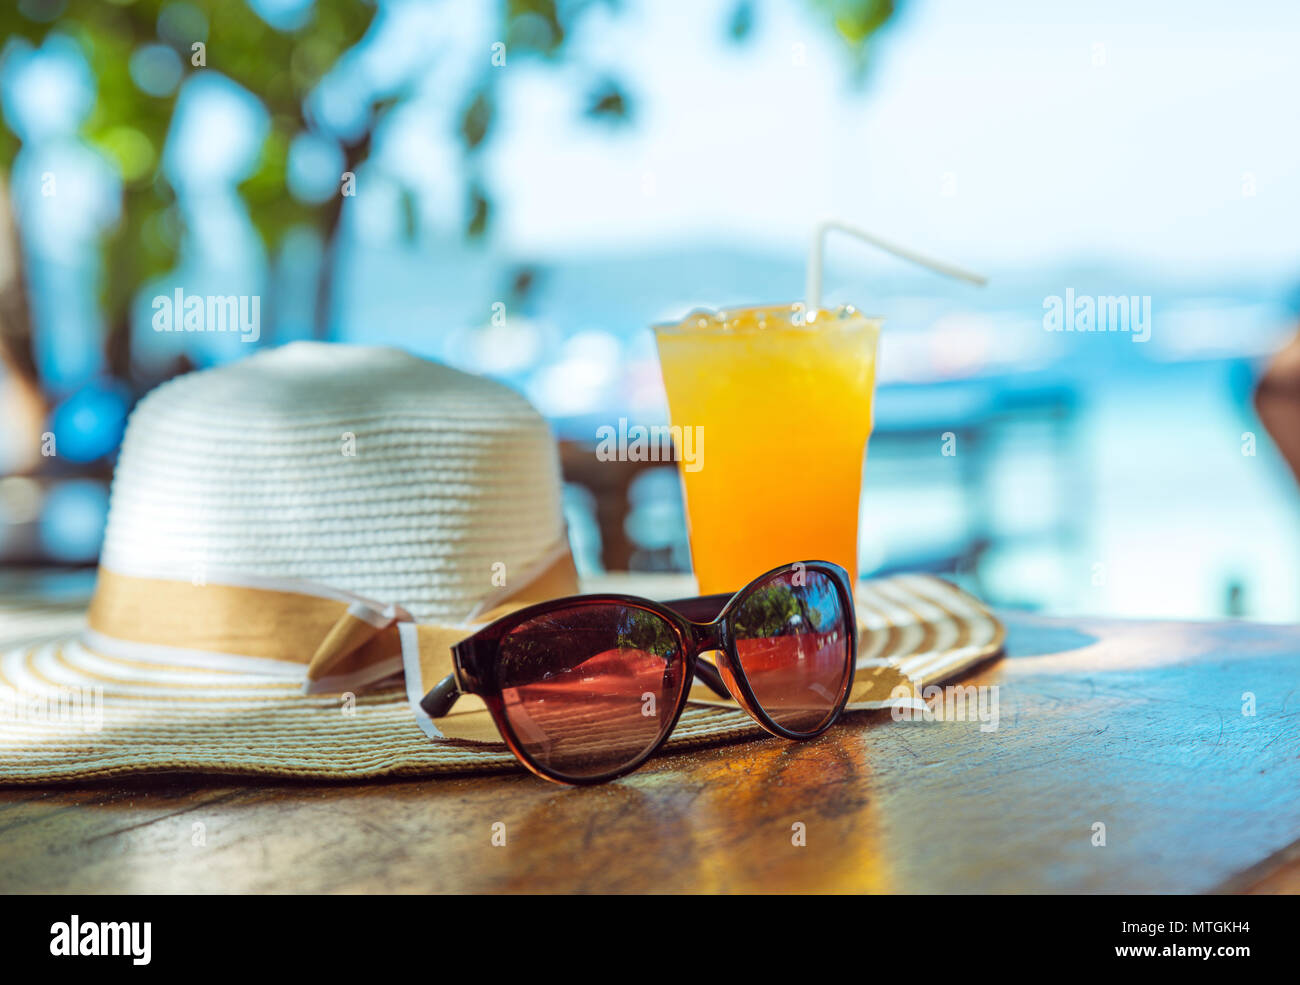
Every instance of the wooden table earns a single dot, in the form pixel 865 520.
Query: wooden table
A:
pixel 1137 726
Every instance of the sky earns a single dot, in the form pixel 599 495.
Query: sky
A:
pixel 1002 134
pixel 1154 141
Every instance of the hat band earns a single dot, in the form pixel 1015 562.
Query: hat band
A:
pixel 333 641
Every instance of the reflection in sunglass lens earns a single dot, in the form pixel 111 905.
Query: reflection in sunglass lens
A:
pixel 589 689
pixel 792 640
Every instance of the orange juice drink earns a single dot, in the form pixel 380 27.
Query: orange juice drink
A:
pixel 781 399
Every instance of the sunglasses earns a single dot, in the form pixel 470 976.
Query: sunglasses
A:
pixel 585 689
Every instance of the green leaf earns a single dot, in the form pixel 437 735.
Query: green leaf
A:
pixel 607 102
pixel 479 212
pixel 476 119
pixel 741 24
pixel 534 26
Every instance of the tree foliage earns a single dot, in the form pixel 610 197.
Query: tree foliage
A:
pixel 281 66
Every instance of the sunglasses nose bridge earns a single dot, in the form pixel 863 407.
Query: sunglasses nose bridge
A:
pixel 708 636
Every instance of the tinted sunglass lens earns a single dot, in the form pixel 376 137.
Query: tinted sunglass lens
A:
pixel 792 637
pixel 590 689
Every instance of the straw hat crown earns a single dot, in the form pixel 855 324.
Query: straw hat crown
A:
pixel 364 469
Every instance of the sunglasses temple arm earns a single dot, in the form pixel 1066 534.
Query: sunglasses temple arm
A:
pixel 438 702
pixel 708 673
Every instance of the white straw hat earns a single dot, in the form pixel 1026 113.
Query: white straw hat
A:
pixel 364 469
pixel 294 541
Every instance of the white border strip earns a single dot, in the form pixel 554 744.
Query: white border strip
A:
pixel 410 636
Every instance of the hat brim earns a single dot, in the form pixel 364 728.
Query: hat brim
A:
pixel 71 714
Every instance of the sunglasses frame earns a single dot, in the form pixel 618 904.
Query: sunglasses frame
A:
pixel 701 625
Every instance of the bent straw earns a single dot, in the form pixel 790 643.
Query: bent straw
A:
pixel 813 294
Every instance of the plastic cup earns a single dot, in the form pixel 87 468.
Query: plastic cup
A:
pixel 779 400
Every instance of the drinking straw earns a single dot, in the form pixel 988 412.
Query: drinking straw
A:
pixel 813 294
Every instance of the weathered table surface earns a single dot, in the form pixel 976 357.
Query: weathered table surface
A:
pixel 1140 727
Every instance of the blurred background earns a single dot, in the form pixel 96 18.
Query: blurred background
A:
pixel 522 188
